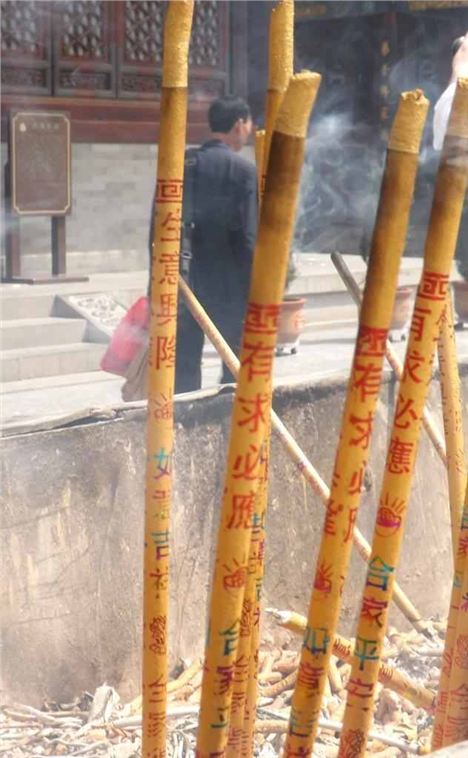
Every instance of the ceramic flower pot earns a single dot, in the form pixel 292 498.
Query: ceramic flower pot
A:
pixel 460 301
pixel 403 307
pixel 291 323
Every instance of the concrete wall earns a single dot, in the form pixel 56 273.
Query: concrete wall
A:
pixel 72 537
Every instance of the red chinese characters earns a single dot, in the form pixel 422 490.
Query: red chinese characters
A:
pixel 164 352
pixel 257 356
pixel 170 226
pixel 169 265
pixel 352 743
pixel 366 379
pixel 242 508
pixel 433 286
pixel 309 675
pixel 418 322
pixel 323 578
pixel 166 309
pixel 169 191
pixel 405 413
pixel 246 465
pixel 356 482
pixel 371 342
pixel 400 456
pixel 360 689
pixel 224 678
pixel 333 509
pixel 414 363
pixel 255 411
pixel 262 319
pixel 363 427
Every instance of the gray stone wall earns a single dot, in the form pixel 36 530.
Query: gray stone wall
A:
pixel 72 532
pixel 107 229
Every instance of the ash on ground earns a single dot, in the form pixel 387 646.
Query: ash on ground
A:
pixel 98 724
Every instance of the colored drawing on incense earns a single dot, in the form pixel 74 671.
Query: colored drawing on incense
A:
pixel 250 416
pixel 401 455
pixel 361 401
pixel 161 367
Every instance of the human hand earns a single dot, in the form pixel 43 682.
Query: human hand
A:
pixel 460 59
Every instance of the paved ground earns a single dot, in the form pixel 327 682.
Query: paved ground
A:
pixel 321 354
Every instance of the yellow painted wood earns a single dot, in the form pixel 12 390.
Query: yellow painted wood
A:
pixel 401 455
pixel 161 359
pixel 356 428
pixel 251 412
pixel 453 420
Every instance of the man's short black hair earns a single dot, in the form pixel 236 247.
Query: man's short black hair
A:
pixel 225 111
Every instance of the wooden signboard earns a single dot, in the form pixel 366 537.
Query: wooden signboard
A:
pixel 40 164
pixel 38 183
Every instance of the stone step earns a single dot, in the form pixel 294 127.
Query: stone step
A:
pixel 40 383
pixel 18 302
pixel 50 360
pixel 39 332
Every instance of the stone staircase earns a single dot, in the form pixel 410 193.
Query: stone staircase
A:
pixel 47 342
pixel 36 343
pixel 44 341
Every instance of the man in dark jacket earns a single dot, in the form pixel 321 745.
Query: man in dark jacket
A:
pixel 220 207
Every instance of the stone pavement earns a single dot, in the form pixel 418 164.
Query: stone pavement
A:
pixel 322 354
pixel 325 350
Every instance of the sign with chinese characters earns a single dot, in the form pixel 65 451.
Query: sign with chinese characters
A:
pixel 40 164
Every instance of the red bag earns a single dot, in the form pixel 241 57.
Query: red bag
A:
pixel 129 337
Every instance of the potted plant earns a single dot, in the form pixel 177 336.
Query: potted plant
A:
pixel 291 319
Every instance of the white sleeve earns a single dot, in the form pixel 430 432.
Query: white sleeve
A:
pixel 441 115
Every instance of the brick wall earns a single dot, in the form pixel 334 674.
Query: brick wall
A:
pixel 107 230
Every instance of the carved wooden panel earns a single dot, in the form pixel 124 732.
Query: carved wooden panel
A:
pixel 141 25
pixel 82 33
pixel 206 42
pixel 25 47
pixel 143 38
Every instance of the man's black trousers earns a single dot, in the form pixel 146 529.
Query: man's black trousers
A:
pixel 227 318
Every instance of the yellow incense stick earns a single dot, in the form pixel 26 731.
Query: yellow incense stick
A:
pixel 280 68
pixel 389 676
pixel 453 420
pixel 281 53
pixel 165 269
pixel 456 719
pixel 361 400
pixel 448 722
pixel 244 694
pixel 303 464
pixel 249 419
pixel 389 527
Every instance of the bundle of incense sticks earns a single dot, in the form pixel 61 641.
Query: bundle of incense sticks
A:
pixel 229 687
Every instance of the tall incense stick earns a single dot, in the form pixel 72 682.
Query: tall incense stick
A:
pixel 161 359
pixel 360 405
pixel 401 455
pixel 250 415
